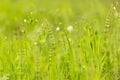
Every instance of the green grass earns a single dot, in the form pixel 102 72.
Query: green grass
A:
pixel 59 40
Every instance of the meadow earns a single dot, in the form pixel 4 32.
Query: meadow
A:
pixel 59 40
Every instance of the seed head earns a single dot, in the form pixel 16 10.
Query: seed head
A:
pixel 70 28
pixel 25 20
pixel 58 28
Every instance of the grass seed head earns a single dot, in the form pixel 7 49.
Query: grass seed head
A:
pixel 70 28
pixel 58 28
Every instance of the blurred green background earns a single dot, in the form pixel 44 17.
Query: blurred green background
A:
pixel 59 40
pixel 13 12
